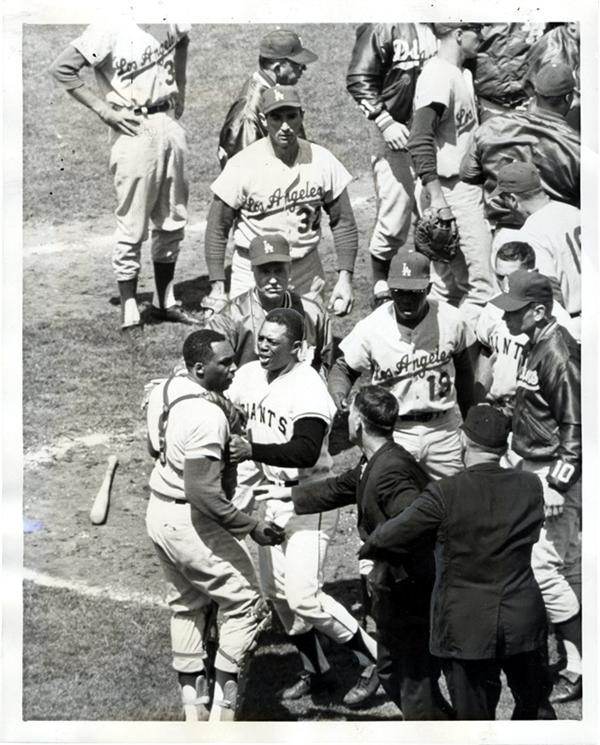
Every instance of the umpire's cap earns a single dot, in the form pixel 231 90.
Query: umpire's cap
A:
pixel 486 426
pixel 554 79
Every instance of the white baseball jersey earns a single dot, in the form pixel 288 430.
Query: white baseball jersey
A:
pixel 554 232
pixel 272 408
pixel 507 350
pixel 132 67
pixel 445 83
pixel 416 365
pixel 272 197
pixel 196 428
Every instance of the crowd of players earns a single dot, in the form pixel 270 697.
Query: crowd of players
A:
pixel 468 488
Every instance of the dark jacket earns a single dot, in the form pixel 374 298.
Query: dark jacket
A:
pixel 386 61
pixel 534 136
pixel 547 416
pixel 486 602
pixel 381 488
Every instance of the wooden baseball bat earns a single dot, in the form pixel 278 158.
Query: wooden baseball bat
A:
pixel 100 507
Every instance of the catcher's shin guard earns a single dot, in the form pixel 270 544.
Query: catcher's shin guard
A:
pixel 262 613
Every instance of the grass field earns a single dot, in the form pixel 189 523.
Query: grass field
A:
pixel 101 658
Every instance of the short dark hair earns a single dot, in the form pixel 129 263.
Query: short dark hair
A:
pixel 378 408
pixel 517 251
pixel 291 319
pixel 197 346
pixel 267 63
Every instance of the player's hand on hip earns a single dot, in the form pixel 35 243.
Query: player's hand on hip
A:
pixel 239 449
pixel 121 120
pixel 263 493
pixel 554 502
pixel 342 297
pixel 396 136
pixel 267 534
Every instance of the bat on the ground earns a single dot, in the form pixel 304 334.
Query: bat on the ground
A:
pixel 100 507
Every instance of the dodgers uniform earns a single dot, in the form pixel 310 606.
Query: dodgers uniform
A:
pixel 418 367
pixel 202 559
pixel 292 574
pixel 134 69
pixel 271 197
pixel 467 279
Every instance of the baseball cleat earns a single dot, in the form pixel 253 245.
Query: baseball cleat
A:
pixel 567 688
pixel 225 710
pixel 174 314
pixel 308 683
pixel 365 687
pixel 196 701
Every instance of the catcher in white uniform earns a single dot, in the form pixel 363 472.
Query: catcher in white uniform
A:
pixel 289 413
pixel 421 350
pixel 140 71
pixel 197 532
pixel 282 184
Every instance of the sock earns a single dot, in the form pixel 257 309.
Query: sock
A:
pixel 163 279
pixel 221 678
pixel 129 310
pixel 313 659
pixel 364 647
pixel 570 633
pixel 187 681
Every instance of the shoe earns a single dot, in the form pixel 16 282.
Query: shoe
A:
pixel 196 702
pixel 224 711
pixel 566 689
pixel 545 710
pixel 174 314
pixel 307 683
pixel 364 688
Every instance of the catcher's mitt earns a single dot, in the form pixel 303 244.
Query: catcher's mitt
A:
pixel 436 234
pixel 234 415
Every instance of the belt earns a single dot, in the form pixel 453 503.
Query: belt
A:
pixel 164 498
pixel 577 314
pixel 292 482
pixel 157 108
pixel 425 416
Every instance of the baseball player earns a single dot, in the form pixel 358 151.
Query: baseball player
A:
pixel 546 428
pixel 196 531
pixel 282 60
pixel 445 115
pixel 289 413
pixel 421 350
pixel 386 61
pixel 502 352
pixel 140 71
pixel 552 229
pixel 241 318
pixel 539 134
pixel 282 184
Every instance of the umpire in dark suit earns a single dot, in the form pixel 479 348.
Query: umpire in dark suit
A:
pixel 487 612
pixel 384 483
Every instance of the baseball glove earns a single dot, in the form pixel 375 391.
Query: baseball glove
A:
pixel 234 415
pixel 436 234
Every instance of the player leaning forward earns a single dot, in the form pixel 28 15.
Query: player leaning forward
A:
pixel 196 531
pixel 281 184
pixel 289 416
pixel 140 71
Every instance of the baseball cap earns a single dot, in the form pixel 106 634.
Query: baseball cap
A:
pixel 524 287
pixel 441 29
pixel 486 426
pixel 283 44
pixel 409 270
pixel 554 79
pixel 517 178
pixel 265 249
pixel 280 97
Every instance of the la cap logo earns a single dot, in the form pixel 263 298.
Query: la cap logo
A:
pixel 406 270
pixel 278 95
pixel 268 248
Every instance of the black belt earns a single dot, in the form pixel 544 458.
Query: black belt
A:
pixel 157 108
pixel 576 315
pixel 164 498
pixel 292 482
pixel 426 416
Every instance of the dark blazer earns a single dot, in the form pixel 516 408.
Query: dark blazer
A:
pixel 486 602
pixel 382 487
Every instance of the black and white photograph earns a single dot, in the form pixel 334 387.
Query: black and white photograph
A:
pixel 300 373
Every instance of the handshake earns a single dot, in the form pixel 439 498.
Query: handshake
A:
pixel 268 534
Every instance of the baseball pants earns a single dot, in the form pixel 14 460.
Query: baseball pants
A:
pixel 201 562
pixel 556 557
pixel 467 281
pixel 395 193
pixel 291 574
pixel 475 685
pixel 434 444
pixel 149 179
pixel 303 272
